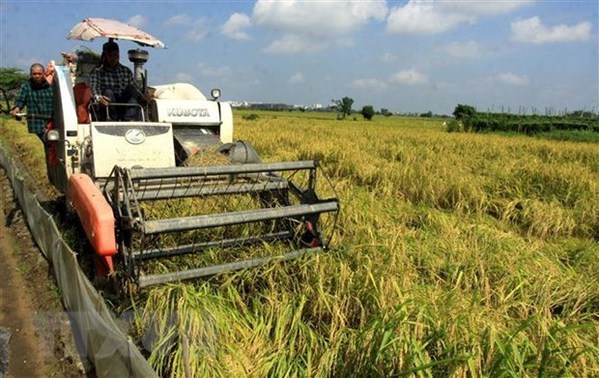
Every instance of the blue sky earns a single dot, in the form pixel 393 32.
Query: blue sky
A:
pixel 407 56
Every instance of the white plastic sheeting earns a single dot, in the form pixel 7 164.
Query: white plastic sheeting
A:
pixel 112 353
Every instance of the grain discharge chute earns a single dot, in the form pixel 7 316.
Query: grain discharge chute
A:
pixel 121 178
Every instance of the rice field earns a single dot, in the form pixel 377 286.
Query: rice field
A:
pixel 456 255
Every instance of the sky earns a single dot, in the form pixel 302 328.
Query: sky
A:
pixel 408 56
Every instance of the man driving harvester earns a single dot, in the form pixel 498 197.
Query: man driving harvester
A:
pixel 112 82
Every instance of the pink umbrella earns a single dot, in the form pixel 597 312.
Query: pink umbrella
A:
pixel 92 28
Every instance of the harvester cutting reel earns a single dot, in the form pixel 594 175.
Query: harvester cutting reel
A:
pixel 171 220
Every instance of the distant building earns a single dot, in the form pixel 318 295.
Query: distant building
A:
pixel 275 106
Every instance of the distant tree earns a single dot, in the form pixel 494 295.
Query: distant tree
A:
pixel 12 78
pixel 463 111
pixel 428 114
pixel 344 107
pixel 367 112
pixel 582 114
pixel 386 112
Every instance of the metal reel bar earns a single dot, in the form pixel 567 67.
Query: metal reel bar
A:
pixel 181 182
pixel 155 279
pixel 241 205
pixel 214 170
pixel 235 218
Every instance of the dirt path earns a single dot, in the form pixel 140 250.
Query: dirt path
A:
pixel 40 343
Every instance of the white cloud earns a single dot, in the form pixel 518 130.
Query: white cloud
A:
pixel 207 70
pixel 294 44
pixel 483 7
pixel 297 78
pixel 423 18
pixel 322 18
pixel 344 42
pixel 532 30
pixel 388 58
pixel 408 77
pixel 235 26
pixel 369 84
pixel 182 77
pixel 310 26
pixel 434 17
pixel 511 79
pixel 198 31
pixel 179 19
pixel 137 21
pixel 470 49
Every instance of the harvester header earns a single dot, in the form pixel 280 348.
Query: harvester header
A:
pixel 140 197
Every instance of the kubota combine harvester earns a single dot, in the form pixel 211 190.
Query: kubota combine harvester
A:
pixel 121 177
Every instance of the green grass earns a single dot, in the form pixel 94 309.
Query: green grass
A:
pixel 17 141
pixel 556 135
pixel 572 136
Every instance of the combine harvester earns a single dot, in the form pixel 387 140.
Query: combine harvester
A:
pixel 120 177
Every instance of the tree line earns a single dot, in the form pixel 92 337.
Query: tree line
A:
pixel 467 118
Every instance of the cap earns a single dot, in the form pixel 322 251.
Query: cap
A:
pixel 110 46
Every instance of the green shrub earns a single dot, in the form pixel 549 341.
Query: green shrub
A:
pixel 453 126
pixel 251 117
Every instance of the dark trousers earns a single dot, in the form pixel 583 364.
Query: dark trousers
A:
pixel 130 112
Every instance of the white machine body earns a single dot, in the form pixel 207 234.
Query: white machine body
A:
pixel 130 145
pixel 180 117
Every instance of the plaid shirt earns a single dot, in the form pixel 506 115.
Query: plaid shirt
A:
pixel 39 100
pixel 116 79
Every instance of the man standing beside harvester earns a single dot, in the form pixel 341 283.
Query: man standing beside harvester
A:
pixel 37 96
